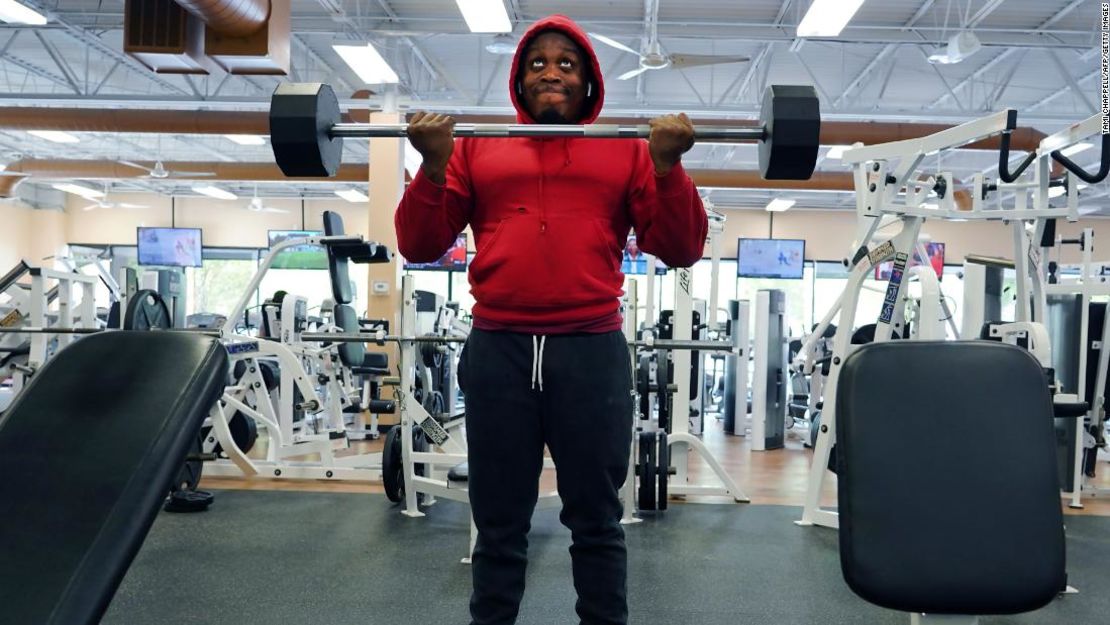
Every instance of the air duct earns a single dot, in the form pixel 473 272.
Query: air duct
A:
pixel 9 181
pixel 69 169
pixel 230 17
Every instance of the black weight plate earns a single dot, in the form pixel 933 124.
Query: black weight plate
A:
pixel 791 116
pixel 663 469
pixel 301 117
pixel 244 431
pixel 188 501
pixel 431 356
pixel 393 468
pixel 643 386
pixel 147 311
pixel 646 471
pixel 113 315
pixel 191 470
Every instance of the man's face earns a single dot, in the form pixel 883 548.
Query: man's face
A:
pixel 554 79
pixel 633 249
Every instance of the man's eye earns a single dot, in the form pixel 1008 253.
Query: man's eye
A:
pixel 565 64
pixel 537 63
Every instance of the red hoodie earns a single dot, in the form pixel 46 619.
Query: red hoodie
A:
pixel 550 217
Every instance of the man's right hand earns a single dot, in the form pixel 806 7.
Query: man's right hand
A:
pixel 432 135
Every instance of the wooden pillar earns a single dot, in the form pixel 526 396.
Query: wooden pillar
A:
pixel 387 184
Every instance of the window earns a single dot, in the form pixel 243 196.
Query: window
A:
pixel 218 284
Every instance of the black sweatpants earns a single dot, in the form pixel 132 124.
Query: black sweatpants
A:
pixel 572 393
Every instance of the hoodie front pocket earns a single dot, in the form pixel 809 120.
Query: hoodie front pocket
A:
pixel 556 262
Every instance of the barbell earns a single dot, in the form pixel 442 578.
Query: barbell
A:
pixel 382 338
pixel 307 136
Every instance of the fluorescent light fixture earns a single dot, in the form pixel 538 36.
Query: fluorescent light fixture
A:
pixel 485 16
pixel 247 139
pixel 76 189
pixel 215 192
pixel 1076 149
pixel 778 205
pixel 826 18
pixel 13 12
pixel 836 152
pixel 367 63
pixel 56 136
pixel 353 195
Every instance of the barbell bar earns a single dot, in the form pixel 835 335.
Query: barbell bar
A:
pixel 307 135
pixel 339 337
pixel 64 330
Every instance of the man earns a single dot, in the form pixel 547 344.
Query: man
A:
pixel 546 363
pixel 634 262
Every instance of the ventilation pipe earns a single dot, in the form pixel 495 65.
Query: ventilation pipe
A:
pixel 70 169
pixel 230 17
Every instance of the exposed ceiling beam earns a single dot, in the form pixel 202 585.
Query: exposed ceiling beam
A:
pixel 59 61
pixel 1006 53
pixel 887 49
pixel 90 39
pixel 759 59
pixel 1069 82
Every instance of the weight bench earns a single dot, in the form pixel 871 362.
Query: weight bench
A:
pixel 949 503
pixel 87 454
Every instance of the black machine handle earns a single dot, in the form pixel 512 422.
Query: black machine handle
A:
pixel 1004 173
pixel 1103 170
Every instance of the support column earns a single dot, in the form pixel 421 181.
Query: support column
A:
pixel 387 184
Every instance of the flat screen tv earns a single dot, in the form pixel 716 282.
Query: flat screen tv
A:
pixel 169 247
pixel 782 259
pixel 453 260
pixel 301 256
pixel 936 259
pixel 634 262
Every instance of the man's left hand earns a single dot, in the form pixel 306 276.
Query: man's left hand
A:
pixel 671 137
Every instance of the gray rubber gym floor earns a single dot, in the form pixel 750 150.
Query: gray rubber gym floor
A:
pixel 334 559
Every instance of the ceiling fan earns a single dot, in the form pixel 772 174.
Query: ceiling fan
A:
pixel 654 58
pixel 104 202
pixel 257 206
pixel 159 171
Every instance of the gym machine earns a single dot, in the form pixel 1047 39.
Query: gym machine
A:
pixel 736 405
pixel 769 378
pixel 1078 331
pixel 894 188
pixel 662 448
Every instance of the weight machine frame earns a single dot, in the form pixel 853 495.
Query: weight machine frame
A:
pixel 889 190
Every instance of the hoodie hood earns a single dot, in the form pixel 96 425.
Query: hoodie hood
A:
pixel 566 26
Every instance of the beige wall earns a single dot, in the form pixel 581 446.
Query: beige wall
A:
pixel 35 234
pixel 16 218
pixel 828 234
pixel 225 223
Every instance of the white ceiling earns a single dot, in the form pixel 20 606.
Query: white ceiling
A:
pixel 1039 56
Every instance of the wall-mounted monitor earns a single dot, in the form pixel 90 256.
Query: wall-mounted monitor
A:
pixel 169 247
pixel 634 262
pixel 300 256
pixel 936 259
pixel 782 259
pixel 453 260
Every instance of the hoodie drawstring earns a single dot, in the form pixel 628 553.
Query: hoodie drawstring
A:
pixel 537 361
